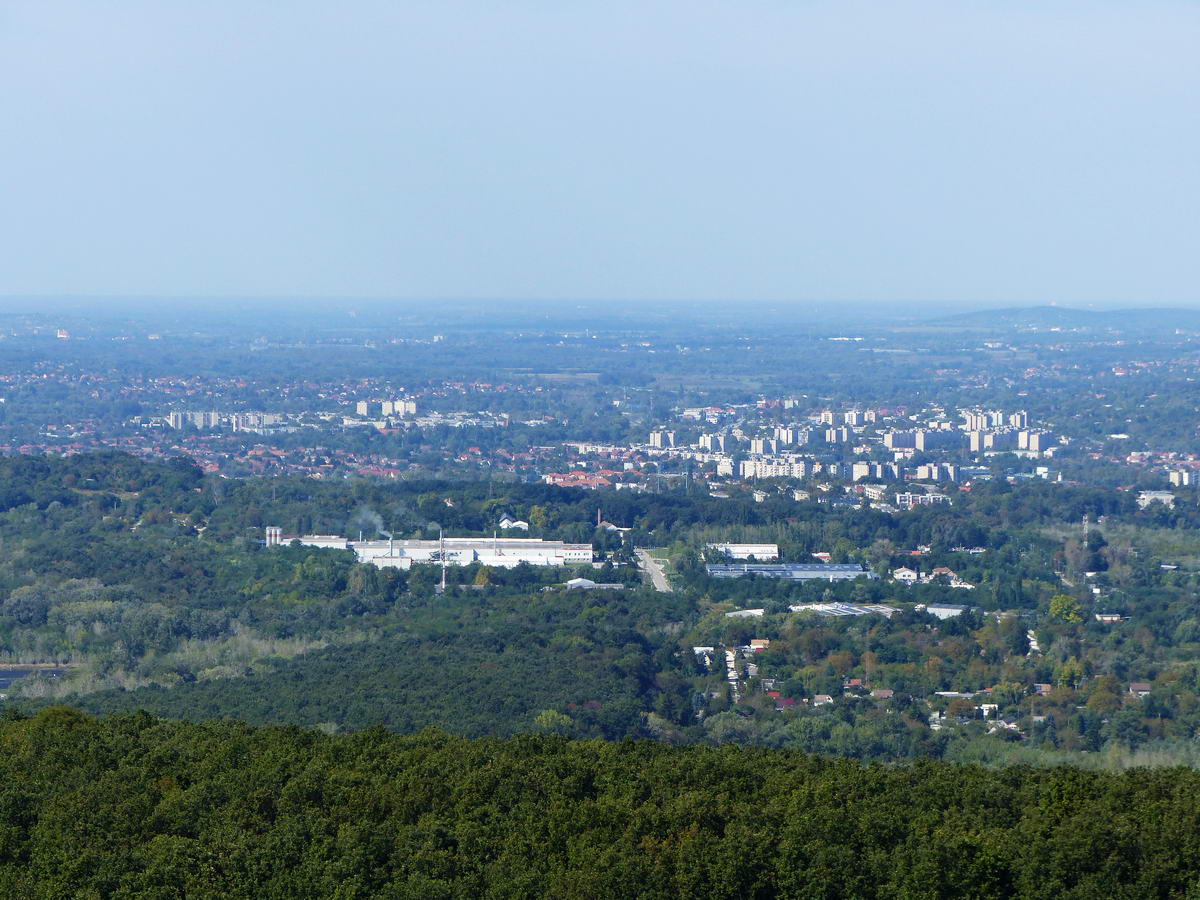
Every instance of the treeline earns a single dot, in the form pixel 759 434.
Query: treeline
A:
pixel 134 807
pixel 111 483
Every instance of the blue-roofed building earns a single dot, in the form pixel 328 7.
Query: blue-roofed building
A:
pixel 792 571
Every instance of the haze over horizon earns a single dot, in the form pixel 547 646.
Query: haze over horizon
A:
pixel 923 152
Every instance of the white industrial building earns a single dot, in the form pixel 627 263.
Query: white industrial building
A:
pixel 746 551
pixel 495 551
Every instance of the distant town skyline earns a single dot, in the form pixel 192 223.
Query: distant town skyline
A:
pixel 855 154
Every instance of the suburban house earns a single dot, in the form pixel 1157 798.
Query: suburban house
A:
pixel 905 575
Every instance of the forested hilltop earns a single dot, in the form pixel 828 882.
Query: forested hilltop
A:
pixel 146 585
pixel 133 807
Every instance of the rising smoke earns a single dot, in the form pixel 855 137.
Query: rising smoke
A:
pixel 367 522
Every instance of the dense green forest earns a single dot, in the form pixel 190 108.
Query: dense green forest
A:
pixel 135 807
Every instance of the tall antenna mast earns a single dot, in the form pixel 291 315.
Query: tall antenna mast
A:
pixel 442 553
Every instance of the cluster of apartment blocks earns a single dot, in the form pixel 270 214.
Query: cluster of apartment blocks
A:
pixel 983 428
pixel 977 441
pixel 402 407
pixel 803 467
pixel 981 432
pixel 207 420
pixel 1183 478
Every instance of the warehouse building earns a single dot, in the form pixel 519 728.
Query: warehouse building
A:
pixel 494 551
pixel 792 571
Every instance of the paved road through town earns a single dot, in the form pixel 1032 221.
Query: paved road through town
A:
pixel 657 576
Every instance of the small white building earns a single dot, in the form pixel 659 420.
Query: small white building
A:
pixel 946 610
pixel 586 584
pixel 1145 498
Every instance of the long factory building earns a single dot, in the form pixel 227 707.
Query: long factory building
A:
pixel 403 554
pixel 792 571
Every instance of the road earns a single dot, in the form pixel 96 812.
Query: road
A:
pixel 657 576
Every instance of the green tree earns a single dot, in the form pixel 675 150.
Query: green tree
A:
pixel 1065 608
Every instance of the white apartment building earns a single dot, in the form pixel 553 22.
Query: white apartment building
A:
pixel 767 468
pixel 910 500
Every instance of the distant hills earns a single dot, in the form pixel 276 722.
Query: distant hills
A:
pixel 1066 317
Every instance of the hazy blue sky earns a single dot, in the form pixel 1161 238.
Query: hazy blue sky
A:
pixel 815 151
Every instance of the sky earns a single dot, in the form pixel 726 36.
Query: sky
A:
pixel 900 153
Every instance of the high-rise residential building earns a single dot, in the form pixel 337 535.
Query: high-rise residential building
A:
pixel 937 440
pixel 838 469
pixel 202 419
pixel 837 435
pixel 1035 441
pixel 976 421
pixel 937 472
pixel 767 468
pixel 398 408
pixel 900 440
pixel 662 439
